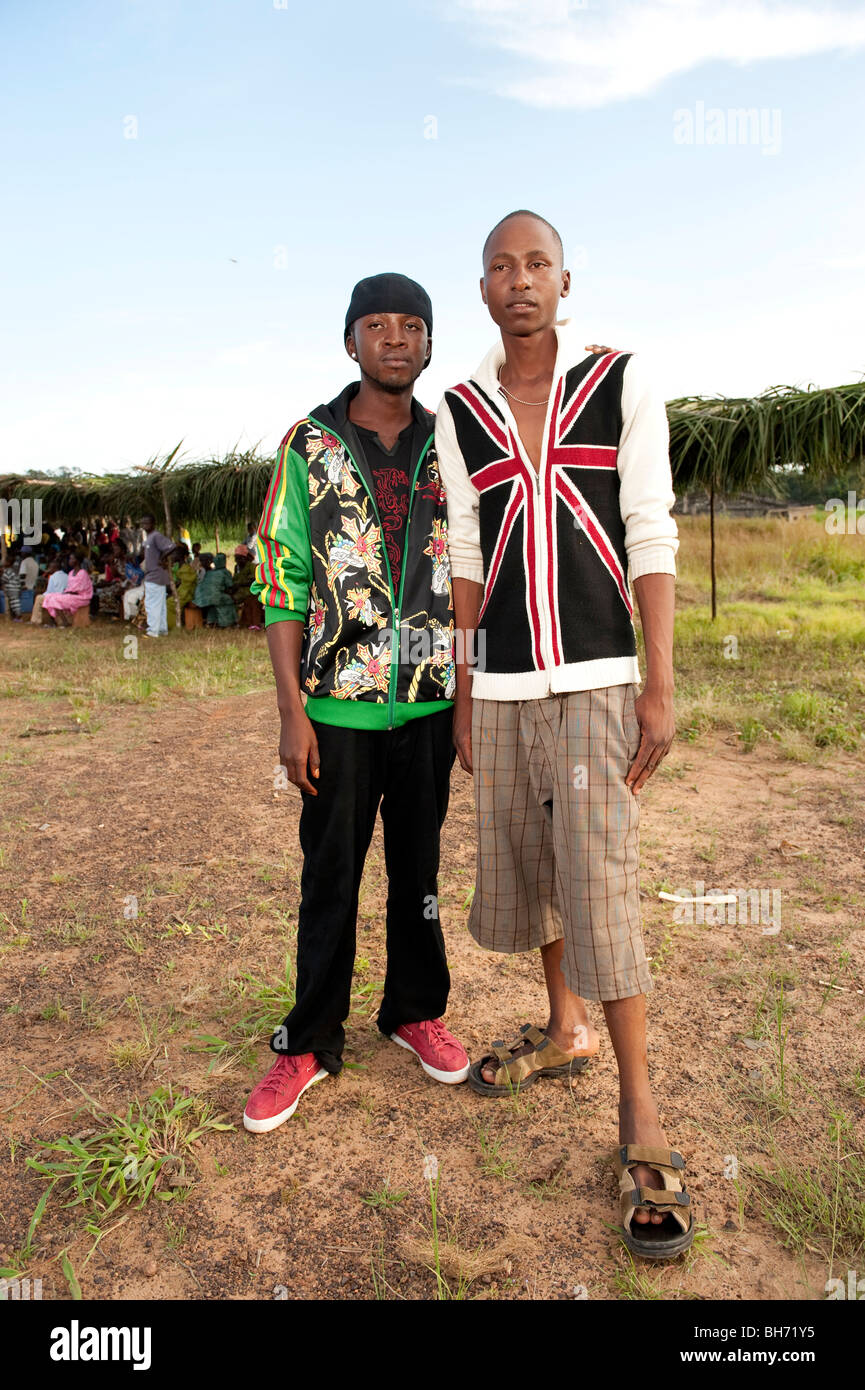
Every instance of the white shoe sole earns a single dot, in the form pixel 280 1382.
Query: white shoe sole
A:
pixel 449 1078
pixel 265 1126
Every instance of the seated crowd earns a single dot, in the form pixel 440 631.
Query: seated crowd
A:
pixel 99 571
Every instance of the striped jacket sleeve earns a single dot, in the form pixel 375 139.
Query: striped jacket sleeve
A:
pixel 283 570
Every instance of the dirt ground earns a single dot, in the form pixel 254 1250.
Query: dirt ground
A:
pixel 176 807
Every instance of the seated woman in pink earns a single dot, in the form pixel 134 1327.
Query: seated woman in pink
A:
pixel 77 594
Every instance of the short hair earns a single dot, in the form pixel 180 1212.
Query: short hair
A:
pixel 524 212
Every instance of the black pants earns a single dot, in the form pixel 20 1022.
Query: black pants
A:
pixel 407 770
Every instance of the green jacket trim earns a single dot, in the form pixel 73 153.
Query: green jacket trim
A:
pixel 283 543
pixel 360 714
pixel 279 615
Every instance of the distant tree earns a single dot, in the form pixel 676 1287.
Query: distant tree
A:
pixel 745 444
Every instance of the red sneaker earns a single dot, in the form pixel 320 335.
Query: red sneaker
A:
pixel 441 1056
pixel 276 1096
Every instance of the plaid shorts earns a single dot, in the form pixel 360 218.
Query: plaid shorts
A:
pixel 558 835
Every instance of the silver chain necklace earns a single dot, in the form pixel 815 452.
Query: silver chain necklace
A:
pixel 518 399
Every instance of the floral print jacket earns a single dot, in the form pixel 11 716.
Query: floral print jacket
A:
pixel 373 657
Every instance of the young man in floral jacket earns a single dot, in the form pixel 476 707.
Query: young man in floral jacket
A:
pixel 353 573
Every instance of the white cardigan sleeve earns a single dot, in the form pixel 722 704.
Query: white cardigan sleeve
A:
pixel 464 545
pixel 646 484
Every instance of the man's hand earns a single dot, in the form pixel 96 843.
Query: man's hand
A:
pixel 656 595
pixel 467 605
pixel 298 750
pixel 654 710
pixel 462 730
pixel 298 745
pixel 596 347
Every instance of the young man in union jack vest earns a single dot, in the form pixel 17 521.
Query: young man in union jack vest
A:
pixel 557 473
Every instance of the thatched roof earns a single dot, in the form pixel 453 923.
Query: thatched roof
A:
pixel 733 443
pixel 219 492
pixel 737 443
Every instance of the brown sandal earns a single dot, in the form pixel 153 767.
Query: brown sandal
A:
pixel 676 1232
pixel 514 1072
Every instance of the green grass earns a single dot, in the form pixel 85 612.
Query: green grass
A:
pixel 384 1197
pixel 87 667
pixel 495 1163
pixel 129 1158
pixel 175 1234
pixel 255 1006
pixel 856 1084
pixel 380 1286
pixel 266 1000
pixel 813 1197
pixel 634 1283
pixel 792 597
pixel 811 686
pixel 769 557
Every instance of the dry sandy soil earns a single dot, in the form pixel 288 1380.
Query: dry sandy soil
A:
pixel 176 807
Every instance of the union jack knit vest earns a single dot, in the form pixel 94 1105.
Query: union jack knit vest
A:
pixel 557 611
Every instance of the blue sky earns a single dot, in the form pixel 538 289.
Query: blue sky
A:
pixel 191 281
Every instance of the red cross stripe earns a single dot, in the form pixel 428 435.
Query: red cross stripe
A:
pixel 509 469
pixel 573 408
pixel 477 405
pixel 558 484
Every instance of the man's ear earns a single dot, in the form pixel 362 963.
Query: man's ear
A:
pixel 426 360
pixel 351 347
pixel 566 283
pixel 483 290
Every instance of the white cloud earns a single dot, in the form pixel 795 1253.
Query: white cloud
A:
pixel 564 53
